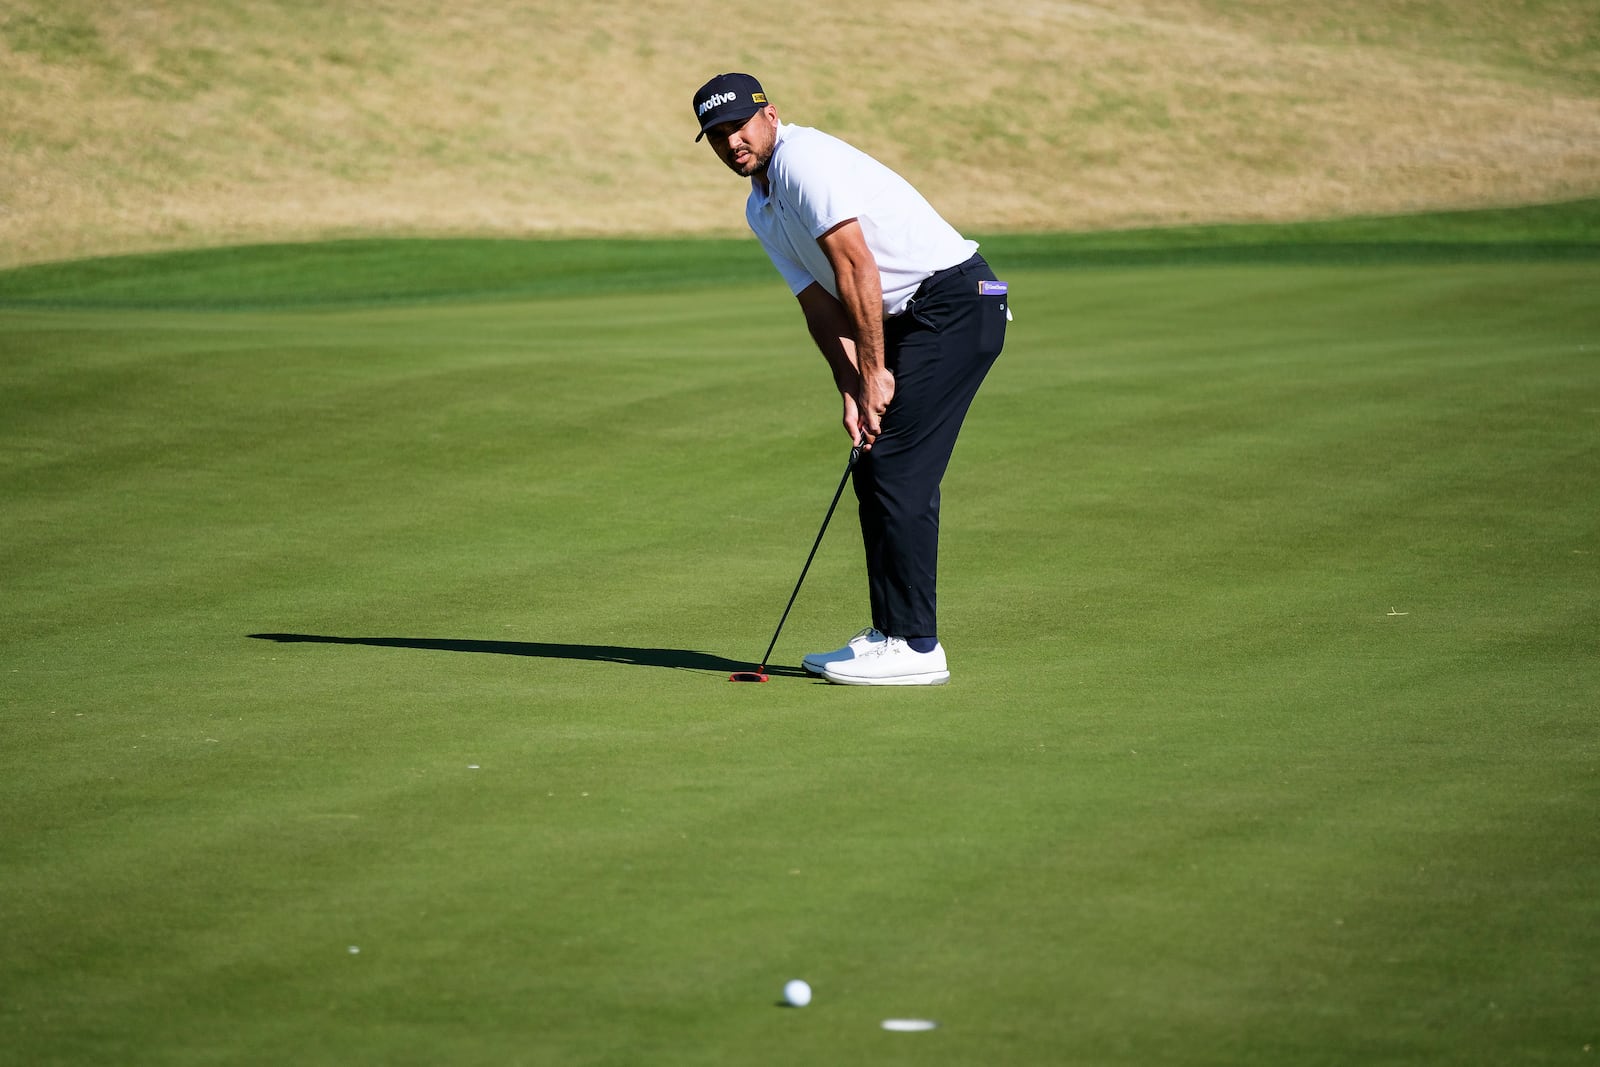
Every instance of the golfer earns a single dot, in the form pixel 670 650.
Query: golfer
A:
pixel 909 318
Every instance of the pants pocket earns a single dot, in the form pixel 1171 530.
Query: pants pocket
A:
pixel 992 323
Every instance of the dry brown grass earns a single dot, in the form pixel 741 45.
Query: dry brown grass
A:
pixel 192 122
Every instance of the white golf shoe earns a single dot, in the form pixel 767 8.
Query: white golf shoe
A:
pixel 890 662
pixel 817 662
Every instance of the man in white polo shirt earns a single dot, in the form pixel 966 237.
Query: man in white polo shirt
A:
pixel 909 317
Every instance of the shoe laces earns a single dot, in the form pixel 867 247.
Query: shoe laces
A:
pixel 887 647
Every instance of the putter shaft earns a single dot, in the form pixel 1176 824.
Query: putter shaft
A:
pixel 855 454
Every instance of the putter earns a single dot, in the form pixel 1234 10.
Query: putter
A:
pixel 760 673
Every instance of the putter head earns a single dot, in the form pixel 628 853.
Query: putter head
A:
pixel 747 676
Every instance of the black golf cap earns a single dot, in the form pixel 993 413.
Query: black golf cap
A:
pixel 726 98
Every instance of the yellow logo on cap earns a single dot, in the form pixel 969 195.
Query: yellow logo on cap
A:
pixel 760 98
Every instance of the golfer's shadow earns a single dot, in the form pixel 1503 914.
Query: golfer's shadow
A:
pixel 678 659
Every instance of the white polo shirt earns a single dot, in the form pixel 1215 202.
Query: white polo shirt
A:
pixel 815 182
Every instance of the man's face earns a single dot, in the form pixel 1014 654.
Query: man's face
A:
pixel 746 146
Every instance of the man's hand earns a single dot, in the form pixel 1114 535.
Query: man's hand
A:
pixel 876 391
pixel 864 406
pixel 852 422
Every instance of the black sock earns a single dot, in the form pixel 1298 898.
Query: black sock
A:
pixel 922 644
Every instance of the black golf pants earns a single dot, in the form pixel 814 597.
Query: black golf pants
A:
pixel 939 351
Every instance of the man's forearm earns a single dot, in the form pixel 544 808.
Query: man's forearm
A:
pixel 860 304
pixel 830 327
pixel 840 352
pixel 861 296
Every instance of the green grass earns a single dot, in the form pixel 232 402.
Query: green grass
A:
pixel 1269 590
pixel 377 271
pixel 381 271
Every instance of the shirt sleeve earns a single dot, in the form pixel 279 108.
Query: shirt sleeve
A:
pixel 824 190
pixel 796 276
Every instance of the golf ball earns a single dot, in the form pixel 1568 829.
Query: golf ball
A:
pixel 797 993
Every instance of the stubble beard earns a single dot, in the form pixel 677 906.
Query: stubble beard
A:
pixel 755 168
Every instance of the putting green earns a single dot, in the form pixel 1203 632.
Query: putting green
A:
pixel 363 651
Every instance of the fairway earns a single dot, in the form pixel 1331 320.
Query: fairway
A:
pixel 366 612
